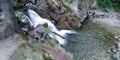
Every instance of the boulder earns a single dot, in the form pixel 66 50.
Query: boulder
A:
pixel 63 25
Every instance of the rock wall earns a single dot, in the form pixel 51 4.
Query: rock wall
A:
pixel 67 14
pixel 8 23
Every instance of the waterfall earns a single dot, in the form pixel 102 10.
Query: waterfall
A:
pixel 35 19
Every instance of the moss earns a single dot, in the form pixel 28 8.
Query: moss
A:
pixel 22 45
pixel 66 4
pixel 48 58
pixel 24 36
pixel 1 20
pixel 106 5
pixel 10 26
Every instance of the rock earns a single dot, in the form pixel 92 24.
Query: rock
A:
pixel 115 56
pixel 58 53
pixel 116 37
pixel 63 25
pixel 56 17
pixel 41 11
pixel 118 46
pixel 19 4
pixel 40 51
pixel 75 24
pixel 8 23
pixel 27 52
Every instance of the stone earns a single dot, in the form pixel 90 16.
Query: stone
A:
pixel 58 53
pixel 63 25
pixel 116 37
pixel 118 46
pixel 75 24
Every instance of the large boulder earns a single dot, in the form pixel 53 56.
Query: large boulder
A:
pixel 8 23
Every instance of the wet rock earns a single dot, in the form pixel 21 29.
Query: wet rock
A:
pixel 118 46
pixel 116 37
pixel 63 25
pixel 75 24
pixel 56 17
pixel 41 11
pixel 116 56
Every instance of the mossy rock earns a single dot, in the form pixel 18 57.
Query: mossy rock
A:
pixel 38 51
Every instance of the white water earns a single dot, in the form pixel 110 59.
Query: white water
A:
pixel 35 19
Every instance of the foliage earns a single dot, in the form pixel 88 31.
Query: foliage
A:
pixel 66 4
pixel 1 20
pixel 46 30
pixel 51 40
pixel 46 6
pixel 106 5
pixel 24 36
pixel 116 5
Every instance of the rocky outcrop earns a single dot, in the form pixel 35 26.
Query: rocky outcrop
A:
pixel 66 14
pixel 40 51
pixel 8 23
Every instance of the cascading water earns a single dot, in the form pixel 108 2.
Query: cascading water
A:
pixel 35 19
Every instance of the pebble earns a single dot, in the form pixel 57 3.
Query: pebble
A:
pixel 114 51
pixel 94 21
pixel 116 37
pixel 116 57
pixel 118 44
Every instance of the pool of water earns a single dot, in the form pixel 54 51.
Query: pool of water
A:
pixel 91 43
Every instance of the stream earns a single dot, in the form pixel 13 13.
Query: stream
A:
pixel 91 43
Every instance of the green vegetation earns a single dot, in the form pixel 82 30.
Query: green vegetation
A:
pixel 66 4
pixel 51 40
pixel 46 6
pixel 116 5
pixel 1 20
pixel 107 5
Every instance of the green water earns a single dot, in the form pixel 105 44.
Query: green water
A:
pixel 91 43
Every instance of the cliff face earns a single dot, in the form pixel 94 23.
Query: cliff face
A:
pixel 8 20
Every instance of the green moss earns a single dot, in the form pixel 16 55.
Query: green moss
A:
pixel 48 38
pixel 22 45
pixel 46 6
pixel 1 20
pixel 48 58
pixel 24 36
pixel 66 4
